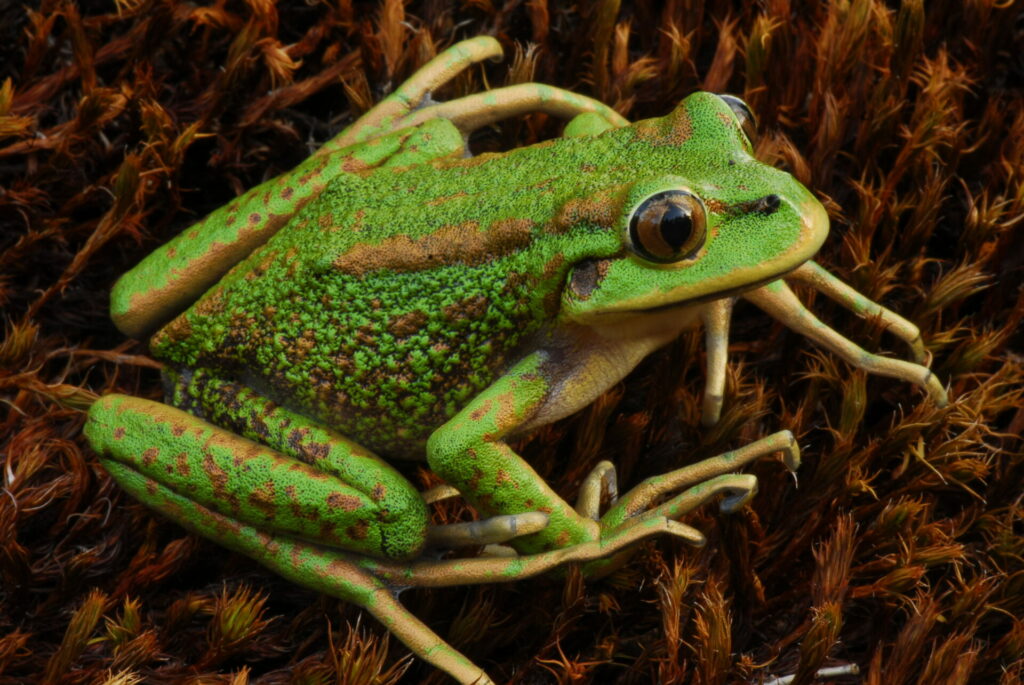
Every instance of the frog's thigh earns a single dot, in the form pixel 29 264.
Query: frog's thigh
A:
pixel 210 468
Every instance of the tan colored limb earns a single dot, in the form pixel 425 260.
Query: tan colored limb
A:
pixel 779 301
pixel 821 280
pixel 411 94
pixel 480 570
pixel 439 492
pixel 715 316
pixel 494 530
pixel 424 642
pixel 738 489
pixel 637 500
pixel 601 479
pixel 480 109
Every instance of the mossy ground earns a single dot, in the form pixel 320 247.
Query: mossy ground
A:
pixel 900 551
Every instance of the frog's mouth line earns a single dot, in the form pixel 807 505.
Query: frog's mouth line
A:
pixel 739 290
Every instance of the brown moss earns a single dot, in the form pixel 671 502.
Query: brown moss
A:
pixel 900 551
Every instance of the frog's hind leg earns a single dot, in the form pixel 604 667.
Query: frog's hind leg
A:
pixel 235 492
pixel 243 412
pixel 779 301
pixel 316 486
pixel 410 104
pixel 386 115
pixel 319 568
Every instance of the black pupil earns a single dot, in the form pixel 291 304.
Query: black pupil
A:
pixel 676 226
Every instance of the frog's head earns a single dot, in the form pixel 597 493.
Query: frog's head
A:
pixel 708 221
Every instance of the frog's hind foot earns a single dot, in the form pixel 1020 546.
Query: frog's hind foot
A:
pixel 411 104
pixel 697 483
pixel 779 301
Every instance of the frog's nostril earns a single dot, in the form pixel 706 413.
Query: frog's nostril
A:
pixel 768 204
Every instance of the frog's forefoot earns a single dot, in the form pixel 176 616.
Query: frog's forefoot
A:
pixel 779 301
pixel 674 494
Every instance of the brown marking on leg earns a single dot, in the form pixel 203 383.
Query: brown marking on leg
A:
pixel 150 455
pixel 344 502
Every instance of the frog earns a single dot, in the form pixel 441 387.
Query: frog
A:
pixel 396 298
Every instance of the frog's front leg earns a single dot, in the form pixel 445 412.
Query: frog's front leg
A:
pixel 471 454
pixel 778 300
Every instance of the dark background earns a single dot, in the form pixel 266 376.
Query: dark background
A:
pixel 899 551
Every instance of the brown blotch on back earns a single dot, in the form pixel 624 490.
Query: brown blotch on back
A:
pixel 263 498
pixel 471 308
pixel 358 531
pixel 404 325
pixel 446 198
pixel 553 266
pixel 452 243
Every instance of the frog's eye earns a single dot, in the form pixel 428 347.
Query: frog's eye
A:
pixel 668 226
pixel 743 114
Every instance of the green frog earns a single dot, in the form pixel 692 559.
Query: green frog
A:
pixel 395 298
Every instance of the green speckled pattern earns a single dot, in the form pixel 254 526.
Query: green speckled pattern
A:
pixel 400 293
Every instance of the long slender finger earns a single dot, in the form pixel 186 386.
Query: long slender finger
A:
pixel 480 109
pixel 494 530
pixel 639 498
pixel 431 76
pixel 480 570
pixel 602 478
pixel 738 489
pixel 779 301
pixel 821 280
pixel 715 316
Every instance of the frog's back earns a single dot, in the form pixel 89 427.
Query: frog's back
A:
pixel 383 318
